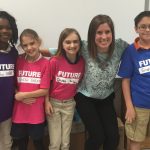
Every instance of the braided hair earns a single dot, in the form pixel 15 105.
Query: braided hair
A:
pixel 13 25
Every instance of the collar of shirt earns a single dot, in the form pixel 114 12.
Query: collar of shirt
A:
pixel 8 48
pixel 139 47
pixel 40 56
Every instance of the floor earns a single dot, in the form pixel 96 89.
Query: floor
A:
pixel 146 144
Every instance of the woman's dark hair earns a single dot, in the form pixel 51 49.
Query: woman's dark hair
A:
pixel 95 22
pixel 13 25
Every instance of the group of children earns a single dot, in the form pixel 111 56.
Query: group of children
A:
pixel 36 85
pixel 32 85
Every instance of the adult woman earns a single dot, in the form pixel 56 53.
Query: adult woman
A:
pixel 94 100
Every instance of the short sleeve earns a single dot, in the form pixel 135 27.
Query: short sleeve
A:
pixel 52 66
pixel 120 45
pixel 45 79
pixel 126 66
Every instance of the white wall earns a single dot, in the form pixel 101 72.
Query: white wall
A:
pixel 50 17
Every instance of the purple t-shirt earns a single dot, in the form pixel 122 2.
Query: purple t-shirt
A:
pixel 7 83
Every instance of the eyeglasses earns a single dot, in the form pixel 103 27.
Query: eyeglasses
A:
pixel 144 27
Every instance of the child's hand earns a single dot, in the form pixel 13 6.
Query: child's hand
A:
pixel 45 52
pixel 48 108
pixel 130 114
pixel 29 101
pixel 19 96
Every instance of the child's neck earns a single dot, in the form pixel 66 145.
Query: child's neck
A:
pixel 72 58
pixel 144 44
pixel 32 59
pixel 3 46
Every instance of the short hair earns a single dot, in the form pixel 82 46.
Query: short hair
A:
pixel 94 24
pixel 13 25
pixel 140 16
pixel 63 35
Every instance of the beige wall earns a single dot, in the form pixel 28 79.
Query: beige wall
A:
pixel 50 17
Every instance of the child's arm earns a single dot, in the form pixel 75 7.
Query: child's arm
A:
pixel 45 52
pixel 48 106
pixel 20 96
pixel 48 52
pixel 130 112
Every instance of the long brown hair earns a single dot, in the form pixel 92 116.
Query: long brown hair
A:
pixel 63 36
pixel 95 22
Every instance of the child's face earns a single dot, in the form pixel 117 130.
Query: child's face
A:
pixel 5 31
pixel 71 44
pixel 30 46
pixel 143 29
pixel 103 37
